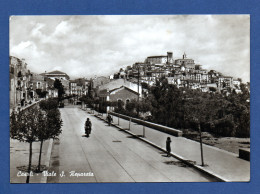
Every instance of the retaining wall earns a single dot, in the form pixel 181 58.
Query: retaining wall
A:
pixel 158 127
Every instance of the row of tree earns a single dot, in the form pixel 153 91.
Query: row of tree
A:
pixel 36 124
pixel 182 108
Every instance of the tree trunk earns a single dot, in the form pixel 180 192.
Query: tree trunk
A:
pixel 40 156
pixel 30 163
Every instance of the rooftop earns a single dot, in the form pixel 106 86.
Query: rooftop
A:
pixel 123 87
pixel 157 56
pixel 56 72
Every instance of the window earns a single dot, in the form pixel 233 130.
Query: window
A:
pixel 120 103
pixel 12 70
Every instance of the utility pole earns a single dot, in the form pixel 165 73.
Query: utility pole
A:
pixel 138 91
pixel 201 149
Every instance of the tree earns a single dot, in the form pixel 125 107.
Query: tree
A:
pixel 245 95
pixel 145 85
pixel 23 127
pixel 41 135
pixel 58 85
pixel 40 93
pixel 49 104
pixel 184 108
pixel 49 127
pixel 87 99
pixel 130 106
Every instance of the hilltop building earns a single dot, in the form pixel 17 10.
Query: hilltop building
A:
pixel 185 62
pixel 182 72
pixel 162 59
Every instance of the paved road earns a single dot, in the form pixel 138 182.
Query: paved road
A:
pixel 221 162
pixel 111 155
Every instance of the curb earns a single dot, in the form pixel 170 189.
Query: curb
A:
pixel 47 161
pixel 208 172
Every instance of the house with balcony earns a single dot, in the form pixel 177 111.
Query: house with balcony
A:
pixel 38 86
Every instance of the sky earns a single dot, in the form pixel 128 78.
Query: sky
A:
pixel 99 45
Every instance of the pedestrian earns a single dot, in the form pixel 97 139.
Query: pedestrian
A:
pixel 168 146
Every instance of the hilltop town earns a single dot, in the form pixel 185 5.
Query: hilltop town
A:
pixel 126 84
pixel 182 72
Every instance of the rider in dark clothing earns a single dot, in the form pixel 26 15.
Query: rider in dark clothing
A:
pixel 109 119
pixel 88 126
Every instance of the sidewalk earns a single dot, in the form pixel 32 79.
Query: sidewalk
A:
pixel 220 162
pixel 19 156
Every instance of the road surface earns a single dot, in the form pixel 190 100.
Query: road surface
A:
pixel 223 163
pixel 110 155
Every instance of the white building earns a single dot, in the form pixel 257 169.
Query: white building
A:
pixel 117 83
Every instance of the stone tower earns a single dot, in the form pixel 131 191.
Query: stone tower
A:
pixel 169 57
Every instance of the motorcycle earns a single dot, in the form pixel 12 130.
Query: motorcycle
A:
pixel 109 120
pixel 87 130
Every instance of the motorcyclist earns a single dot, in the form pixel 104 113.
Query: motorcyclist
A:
pixel 88 126
pixel 109 119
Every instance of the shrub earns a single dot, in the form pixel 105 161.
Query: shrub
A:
pixel 49 104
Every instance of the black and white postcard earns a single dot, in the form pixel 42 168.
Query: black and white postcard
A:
pixel 129 98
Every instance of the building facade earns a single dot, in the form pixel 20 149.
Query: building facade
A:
pixel 63 77
pixel 122 94
pixel 19 82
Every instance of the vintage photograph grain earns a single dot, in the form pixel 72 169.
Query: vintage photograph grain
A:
pixel 129 98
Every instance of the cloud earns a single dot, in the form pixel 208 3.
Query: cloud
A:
pixel 36 31
pixel 100 45
pixel 27 49
pixel 62 29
